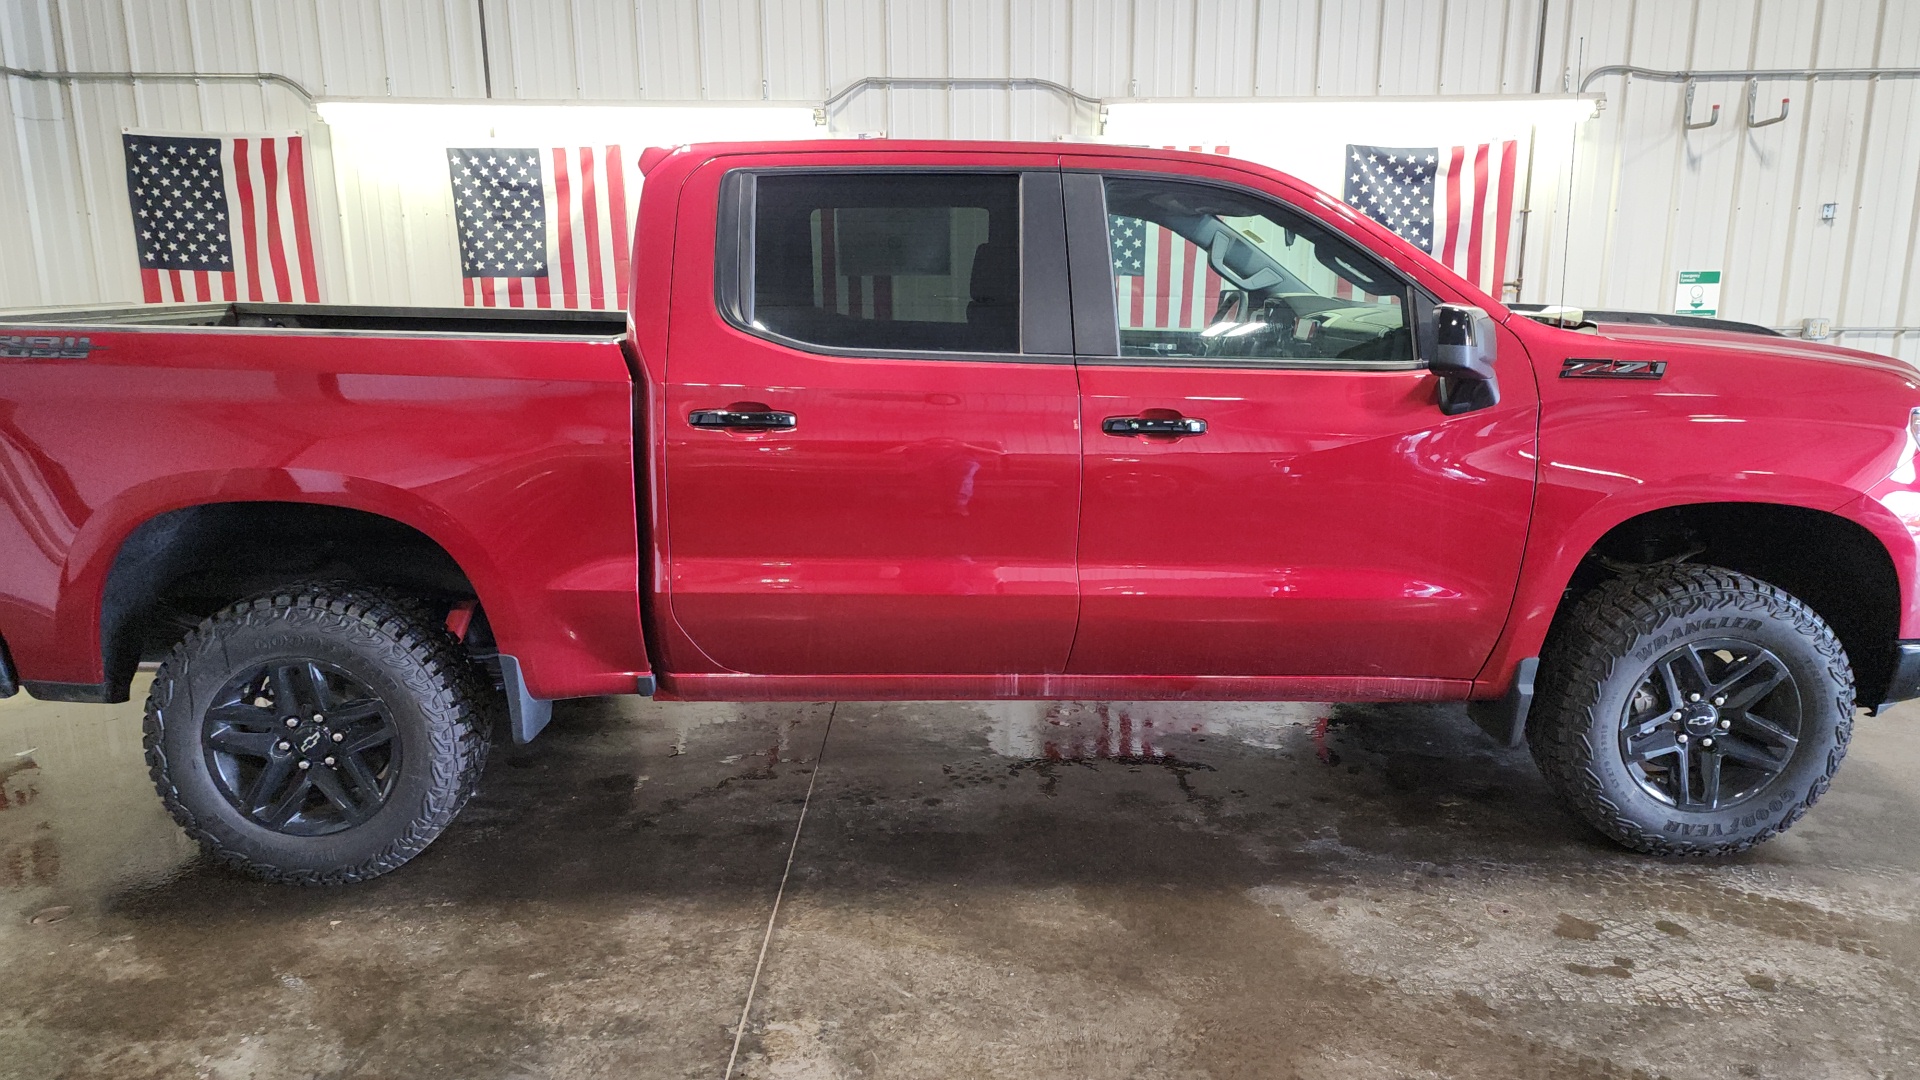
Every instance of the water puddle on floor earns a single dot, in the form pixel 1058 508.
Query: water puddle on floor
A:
pixel 1151 731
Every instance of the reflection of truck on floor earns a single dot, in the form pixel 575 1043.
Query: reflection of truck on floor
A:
pixel 948 420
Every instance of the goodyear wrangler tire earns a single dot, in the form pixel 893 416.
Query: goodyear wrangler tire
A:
pixel 317 735
pixel 1690 710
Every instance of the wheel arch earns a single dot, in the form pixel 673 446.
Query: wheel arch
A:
pixel 1854 583
pixel 184 547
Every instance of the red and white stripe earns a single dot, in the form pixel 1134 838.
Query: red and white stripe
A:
pixel 1178 290
pixel 271 231
pixel 591 194
pixel 1473 203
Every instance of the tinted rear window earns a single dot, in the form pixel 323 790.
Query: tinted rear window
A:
pixel 894 262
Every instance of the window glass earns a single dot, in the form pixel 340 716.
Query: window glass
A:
pixel 1206 273
pixel 875 261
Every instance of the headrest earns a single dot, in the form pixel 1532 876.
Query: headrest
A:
pixel 996 273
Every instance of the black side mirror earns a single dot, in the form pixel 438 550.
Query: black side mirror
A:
pixel 1464 359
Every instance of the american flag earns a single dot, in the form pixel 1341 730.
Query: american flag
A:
pixel 544 227
pixel 1162 282
pixel 221 218
pixel 1454 202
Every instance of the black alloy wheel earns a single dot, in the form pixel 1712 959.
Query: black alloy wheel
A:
pixel 1693 710
pixel 301 747
pixel 319 734
pixel 1711 724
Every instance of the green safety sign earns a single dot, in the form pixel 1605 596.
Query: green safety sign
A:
pixel 1698 293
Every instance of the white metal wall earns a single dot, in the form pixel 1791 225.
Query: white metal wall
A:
pixel 1648 198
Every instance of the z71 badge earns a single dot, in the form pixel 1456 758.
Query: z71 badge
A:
pixel 44 347
pixel 1613 369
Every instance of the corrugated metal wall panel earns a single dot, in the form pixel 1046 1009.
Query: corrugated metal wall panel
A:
pixel 1410 54
pixel 1103 47
pixel 1647 198
pixel 1286 48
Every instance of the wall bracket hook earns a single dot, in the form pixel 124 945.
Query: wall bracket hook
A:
pixel 1753 101
pixel 1688 122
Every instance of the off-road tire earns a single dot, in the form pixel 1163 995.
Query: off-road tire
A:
pixel 438 700
pixel 1605 645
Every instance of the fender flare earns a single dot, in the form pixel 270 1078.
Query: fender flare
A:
pixel 97 545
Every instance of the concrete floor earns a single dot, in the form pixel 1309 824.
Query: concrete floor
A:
pixel 1006 890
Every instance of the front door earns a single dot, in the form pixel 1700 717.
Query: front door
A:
pixel 1270 486
pixel 872 454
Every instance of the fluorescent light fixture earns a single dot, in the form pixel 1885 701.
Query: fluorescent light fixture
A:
pixel 1308 137
pixel 497 123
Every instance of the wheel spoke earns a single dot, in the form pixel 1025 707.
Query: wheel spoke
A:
pixel 356 769
pixel 1749 696
pixel 229 740
pixel 288 689
pixel 1768 730
pixel 318 694
pixel 282 811
pixel 336 793
pixel 1747 667
pixel 1739 749
pixel 1652 745
pixel 242 715
pixel 1671 679
pixel 1680 778
pixel 1698 670
pixel 353 710
pixel 266 787
pixel 1710 778
pixel 362 741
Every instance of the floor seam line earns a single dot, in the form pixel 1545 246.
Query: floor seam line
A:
pixel 766 939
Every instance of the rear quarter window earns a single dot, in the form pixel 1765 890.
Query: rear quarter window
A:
pixel 922 262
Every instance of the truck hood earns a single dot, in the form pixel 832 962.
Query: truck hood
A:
pixel 1691 339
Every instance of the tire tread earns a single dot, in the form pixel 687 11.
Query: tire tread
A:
pixel 1579 658
pixel 447 687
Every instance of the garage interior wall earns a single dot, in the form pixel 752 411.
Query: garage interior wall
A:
pixel 1648 198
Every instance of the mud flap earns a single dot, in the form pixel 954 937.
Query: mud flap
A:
pixel 1505 719
pixel 528 714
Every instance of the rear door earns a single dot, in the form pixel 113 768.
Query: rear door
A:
pixel 872 454
pixel 1271 488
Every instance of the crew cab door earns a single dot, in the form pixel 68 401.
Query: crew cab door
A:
pixel 872 447
pixel 1271 486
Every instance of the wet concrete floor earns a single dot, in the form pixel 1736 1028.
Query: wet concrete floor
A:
pixel 977 890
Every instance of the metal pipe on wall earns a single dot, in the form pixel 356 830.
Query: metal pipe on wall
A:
pixel 1751 74
pixel 305 94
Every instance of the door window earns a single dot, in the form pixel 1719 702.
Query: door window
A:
pixel 925 262
pixel 1211 275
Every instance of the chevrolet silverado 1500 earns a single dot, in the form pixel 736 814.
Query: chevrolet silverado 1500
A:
pixel 954 420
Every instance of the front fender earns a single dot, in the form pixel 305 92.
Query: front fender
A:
pixel 1566 528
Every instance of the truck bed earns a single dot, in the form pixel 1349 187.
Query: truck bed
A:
pixel 465 322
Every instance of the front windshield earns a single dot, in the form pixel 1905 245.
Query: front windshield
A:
pixel 1207 273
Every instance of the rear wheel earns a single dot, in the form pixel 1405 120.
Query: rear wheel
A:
pixel 317 735
pixel 1689 710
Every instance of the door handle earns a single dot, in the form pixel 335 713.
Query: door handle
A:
pixel 1153 425
pixel 742 419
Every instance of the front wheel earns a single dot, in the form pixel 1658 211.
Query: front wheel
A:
pixel 317 735
pixel 1690 710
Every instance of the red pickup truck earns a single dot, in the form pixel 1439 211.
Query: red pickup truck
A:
pixel 954 420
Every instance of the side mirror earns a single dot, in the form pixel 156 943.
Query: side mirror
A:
pixel 1465 357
